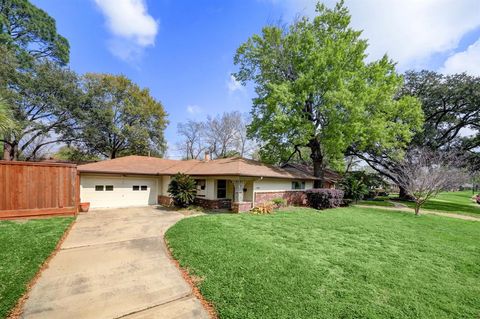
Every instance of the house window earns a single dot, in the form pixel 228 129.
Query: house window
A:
pixel 99 188
pixel 298 185
pixel 135 188
pixel 221 188
pixel 144 187
pixel 201 185
pixel 109 188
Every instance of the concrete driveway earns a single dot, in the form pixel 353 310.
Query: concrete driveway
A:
pixel 114 264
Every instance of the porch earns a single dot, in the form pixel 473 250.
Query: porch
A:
pixel 235 193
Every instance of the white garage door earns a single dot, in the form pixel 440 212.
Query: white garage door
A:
pixel 118 191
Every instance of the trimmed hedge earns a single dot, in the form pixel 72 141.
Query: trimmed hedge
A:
pixel 323 198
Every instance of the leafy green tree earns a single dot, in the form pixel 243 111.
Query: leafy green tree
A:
pixel 315 90
pixel 183 189
pixel 451 106
pixel 45 103
pixel 31 33
pixel 73 154
pixel 6 120
pixel 28 38
pixel 120 118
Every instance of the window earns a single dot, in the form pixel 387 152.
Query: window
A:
pixel 144 187
pixel 201 185
pixel 109 188
pixel 99 188
pixel 135 187
pixel 298 185
pixel 221 188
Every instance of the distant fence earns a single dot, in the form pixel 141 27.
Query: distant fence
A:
pixel 37 189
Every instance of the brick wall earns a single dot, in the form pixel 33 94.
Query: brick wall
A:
pixel 213 203
pixel 241 207
pixel 297 198
pixel 164 200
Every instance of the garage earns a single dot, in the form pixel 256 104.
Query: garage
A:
pixel 118 191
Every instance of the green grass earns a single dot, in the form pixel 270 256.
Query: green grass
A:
pixel 382 203
pixel 450 202
pixel 24 246
pixel 341 263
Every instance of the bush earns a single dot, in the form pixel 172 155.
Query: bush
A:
pixel 279 202
pixel 262 209
pixel 354 188
pixel 323 198
pixel 183 189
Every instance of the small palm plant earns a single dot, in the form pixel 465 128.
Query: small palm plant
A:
pixel 183 189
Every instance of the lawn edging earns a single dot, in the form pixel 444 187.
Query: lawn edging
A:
pixel 192 282
pixel 17 310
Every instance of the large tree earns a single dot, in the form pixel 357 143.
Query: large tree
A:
pixel 7 123
pixel 223 135
pixel 31 33
pixel 451 104
pixel 45 101
pixel 120 118
pixel 315 89
pixel 28 39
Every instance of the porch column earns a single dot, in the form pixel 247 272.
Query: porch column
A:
pixel 239 186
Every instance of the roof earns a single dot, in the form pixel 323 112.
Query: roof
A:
pixel 235 166
pixel 329 175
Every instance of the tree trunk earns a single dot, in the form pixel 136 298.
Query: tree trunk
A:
pixel 10 151
pixel 417 209
pixel 403 194
pixel 318 165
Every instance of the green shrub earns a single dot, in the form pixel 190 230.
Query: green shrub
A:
pixel 279 202
pixel 183 190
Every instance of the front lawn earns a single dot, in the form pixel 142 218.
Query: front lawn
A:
pixel 341 263
pixel 450 202
pixel 24 246
pixel 453 202
pixel 375 202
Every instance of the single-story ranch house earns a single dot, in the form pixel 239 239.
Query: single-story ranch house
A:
pixel 235 183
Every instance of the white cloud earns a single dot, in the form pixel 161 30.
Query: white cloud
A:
pixel 194 109
pixel 410 31
pixel 466 61
pixel 132 26
pixel 234 85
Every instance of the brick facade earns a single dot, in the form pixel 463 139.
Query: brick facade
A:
pixel 164 200
pixel 213 203
pixel 297 198
pixel 241 207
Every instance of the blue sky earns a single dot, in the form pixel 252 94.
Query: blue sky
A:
pixel 183 50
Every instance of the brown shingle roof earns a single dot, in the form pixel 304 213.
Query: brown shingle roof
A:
pixel 329 175
pixel 158 166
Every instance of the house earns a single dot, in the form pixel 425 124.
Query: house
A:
pixel 235 183
pixel 330 178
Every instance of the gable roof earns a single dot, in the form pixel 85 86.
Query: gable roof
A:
pixel 329 175
pixel 235 166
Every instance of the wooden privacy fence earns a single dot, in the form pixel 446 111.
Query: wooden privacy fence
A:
pixel 36 189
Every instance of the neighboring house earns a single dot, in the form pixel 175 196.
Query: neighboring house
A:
pixel 330 178
pixel 235 183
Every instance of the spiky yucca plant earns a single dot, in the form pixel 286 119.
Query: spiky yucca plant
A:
pixel 183 189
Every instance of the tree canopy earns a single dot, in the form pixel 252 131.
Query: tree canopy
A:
pixel 31 33
pixel 315 90
pixel 451 104
pixel 45 102
pixel 120 118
